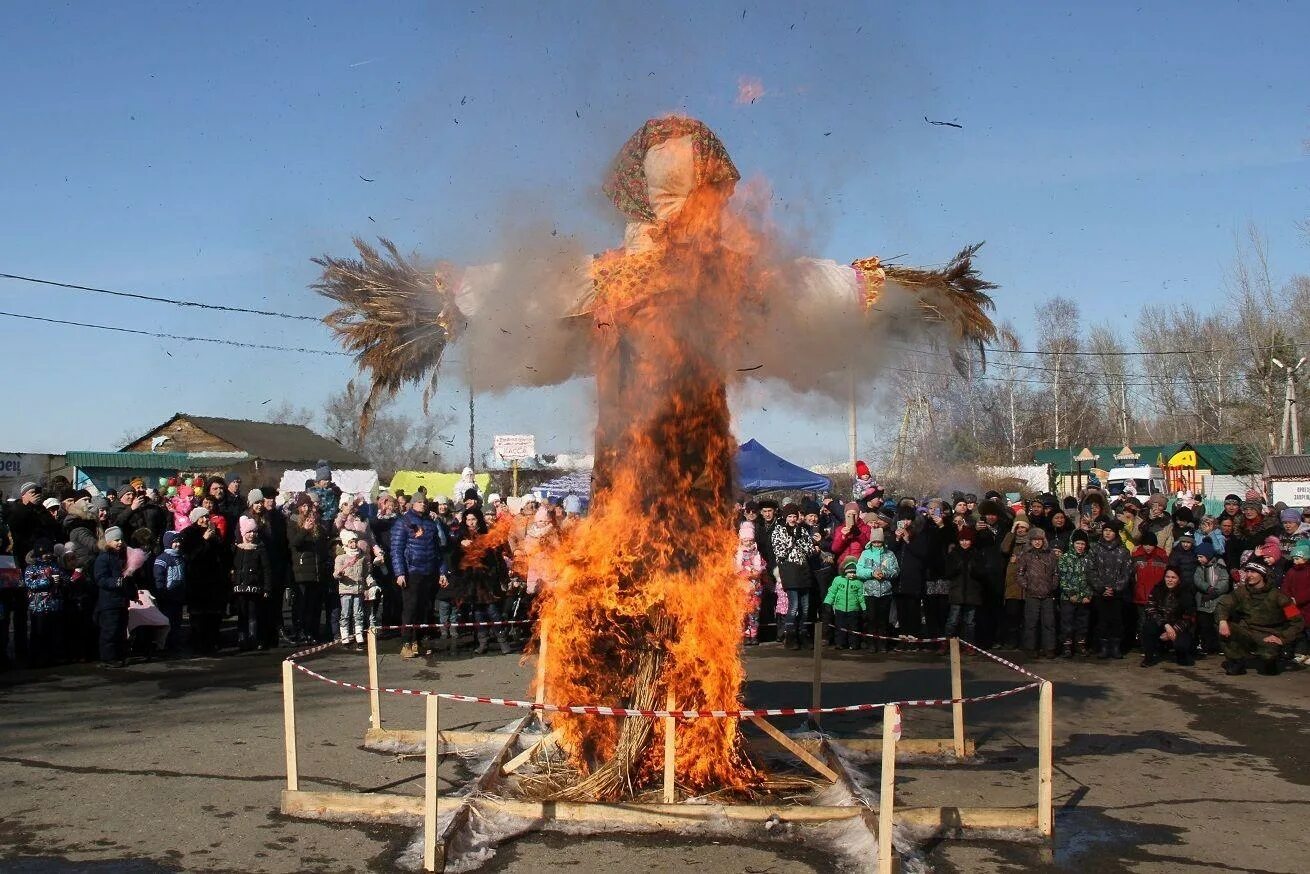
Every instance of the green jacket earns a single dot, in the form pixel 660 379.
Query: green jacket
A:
pixel 845 596
pixel 1265 611
pixel 1073 577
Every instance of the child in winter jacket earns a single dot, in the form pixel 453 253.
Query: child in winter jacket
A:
pixel 877 568
pixel 46 582
pixel 1211 581
pixel 1075 595
pixel 252 581
pixel 170 588
pixel 351 573
pixel 846 598
pixel 1037 580
pixel 1149 562
pixel 750 572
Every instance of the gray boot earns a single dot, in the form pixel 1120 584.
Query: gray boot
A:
pixel 504 643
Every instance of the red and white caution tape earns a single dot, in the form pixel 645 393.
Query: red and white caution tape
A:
pixel 601 710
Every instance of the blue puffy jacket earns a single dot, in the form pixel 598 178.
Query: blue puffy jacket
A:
pixel 418 545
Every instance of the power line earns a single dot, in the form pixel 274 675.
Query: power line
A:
pixel 218 340
pixel 169 300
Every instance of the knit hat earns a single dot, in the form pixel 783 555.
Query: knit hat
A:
pixel 1232 497
pixel 1252 505
pixel 1301 549
pixel 254 496
pixel 113 533
pixel 137 483
pixel 28 487
pixel 472 495
pixel 1253 494
pixel 1114 525
pixel 1021 519
pixel 573 505
pixel 98 503
pixel 231 477
pixel 1290 515
pixel 849 564
pixel 1158 499
pixel 1078 535
pixel 850 507
pixel 746 531
pixel 495 496
pixel 966 534
pixel 1183 514
pixel 197 514
pixel 246 524
pixel 1206 548
pixel 50 502
pixel 1258 566
pixel 170 537
pixel 876 536
pixel 861 469
pixel 347 536
pixel 1187 535
pixel 1148 538
pixel 322 471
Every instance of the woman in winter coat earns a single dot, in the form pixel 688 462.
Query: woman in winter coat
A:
pixel 1169 622
pixel 793 544
pixel 850 537
pixel 966 568
pixel 305 537
pixel 1061 530
pixel 1149 562
pixel 1109 573
pixel 484 578
pixel 209 585
pixel 385 608
pixel 936 537
pixel 1211 581
pixel 1037 579
pixel 1013 547
pixel 877 568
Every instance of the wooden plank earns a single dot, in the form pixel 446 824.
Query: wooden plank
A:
pixel 385 807
pixel 887 788
pixel 416 738
pixel 431 762
pixel 353 806
pixel 374 697
pixel 1045 763
pixel 947 821
pixel 906 748
pixel 957 692
pixel 801 752
pixel 540 697
pixel 289 724
pixel 518 761
pixel 670 752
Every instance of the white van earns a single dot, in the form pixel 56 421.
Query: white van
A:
pixel 1146 481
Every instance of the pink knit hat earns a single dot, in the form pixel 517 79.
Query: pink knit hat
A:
pixel 746 531
pixel 247 525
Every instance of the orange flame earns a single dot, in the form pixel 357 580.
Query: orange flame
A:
pixel 648 578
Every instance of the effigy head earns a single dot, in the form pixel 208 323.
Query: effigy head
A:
pixel 663 165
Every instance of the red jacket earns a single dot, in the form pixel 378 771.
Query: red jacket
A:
pixel 1149 563
pixel 1296 585
pixel 850 546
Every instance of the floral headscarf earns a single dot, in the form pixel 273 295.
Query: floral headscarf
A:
pixel 626 184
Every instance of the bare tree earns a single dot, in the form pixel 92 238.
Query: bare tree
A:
pixel 394 441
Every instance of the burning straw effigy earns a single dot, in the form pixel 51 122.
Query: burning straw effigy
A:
pixel 649 616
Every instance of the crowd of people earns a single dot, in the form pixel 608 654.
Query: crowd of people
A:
pixel 158 570
pixel 1067 577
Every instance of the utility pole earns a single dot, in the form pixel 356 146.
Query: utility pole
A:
pixel 1291 432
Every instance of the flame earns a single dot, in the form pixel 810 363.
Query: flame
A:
pixel 644 605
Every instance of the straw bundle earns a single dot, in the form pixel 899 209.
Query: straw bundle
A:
pixel 396 318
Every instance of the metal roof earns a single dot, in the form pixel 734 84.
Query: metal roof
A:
pixel 1277 466
pixel 274 442
pixel 1221 458
pixel 173 461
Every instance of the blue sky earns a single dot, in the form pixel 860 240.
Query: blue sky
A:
pixel 1110 152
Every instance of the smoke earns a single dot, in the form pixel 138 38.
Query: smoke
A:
pixel 749 89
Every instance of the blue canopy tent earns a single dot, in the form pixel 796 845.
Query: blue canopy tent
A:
pixel 759 470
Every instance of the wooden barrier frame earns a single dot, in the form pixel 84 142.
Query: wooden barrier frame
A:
pixel 942 821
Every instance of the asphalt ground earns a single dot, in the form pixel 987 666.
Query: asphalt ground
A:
pixel 177 766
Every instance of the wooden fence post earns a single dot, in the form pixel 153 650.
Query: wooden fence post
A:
pixel 670 752
pixel 374 697
pixel 431 758
pixel 289 724
pixel 887 790
pixel 957 692
pixel 540 697
pixel 816 683
pixel 1045 763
